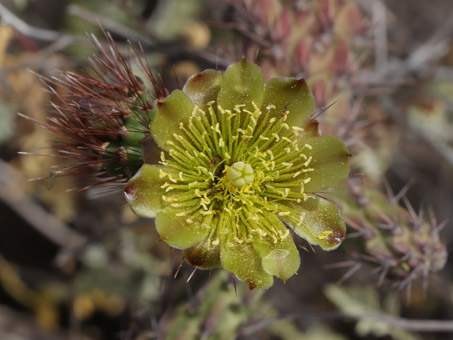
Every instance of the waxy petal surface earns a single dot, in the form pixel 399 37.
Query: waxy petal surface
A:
pixel 246 264
pixel 143 191
pixel 173 110
pixel 321 223
pixel 279 258
pixel 289 95
pixel 204 87
pixel 243 84
pixel 176 231
pixel 330 161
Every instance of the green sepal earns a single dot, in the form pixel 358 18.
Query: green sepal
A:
pixel 204 87
pixel 143 191
pixel 173 110
pixel 280 258
pixel 135 132
pixel 203 256
pixel 243 84
pixel 321 223
pixel 330 161
pixel 242 260
pixel 176 231
pixel 289 95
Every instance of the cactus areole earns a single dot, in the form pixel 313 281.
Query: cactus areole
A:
pixel 240 166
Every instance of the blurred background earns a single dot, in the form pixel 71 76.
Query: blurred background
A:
pixel 78 264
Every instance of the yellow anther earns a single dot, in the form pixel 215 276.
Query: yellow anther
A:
pixel 271 154
pixel 324 234
pixel 205 200
pixel 286 139
pixel 286 192
pixel 172 179
pixel 270 107
pixel 308 161
pixel 301 220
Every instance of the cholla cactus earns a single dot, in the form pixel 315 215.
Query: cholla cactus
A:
pixel 242 161
pixel 321 40
pixel 404 245
pixel 102 119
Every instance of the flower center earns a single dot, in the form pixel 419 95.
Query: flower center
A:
pixel 240 174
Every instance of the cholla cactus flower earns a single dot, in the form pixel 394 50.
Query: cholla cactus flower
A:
pixel 240 167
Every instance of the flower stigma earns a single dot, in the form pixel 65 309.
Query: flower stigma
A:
pixel 240 174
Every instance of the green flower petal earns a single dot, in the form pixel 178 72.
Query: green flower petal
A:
pixel 291 95
pixel 243 84
pixel 245 263
pixel 330 161
pixel 204 87
pixel 143 191
pixel 173 110
pixel 176 231
pixel 280 259
pixel 203 257
pixel 321 223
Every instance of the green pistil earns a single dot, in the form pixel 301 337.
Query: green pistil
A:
pixel 235 171
pixel 240 174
